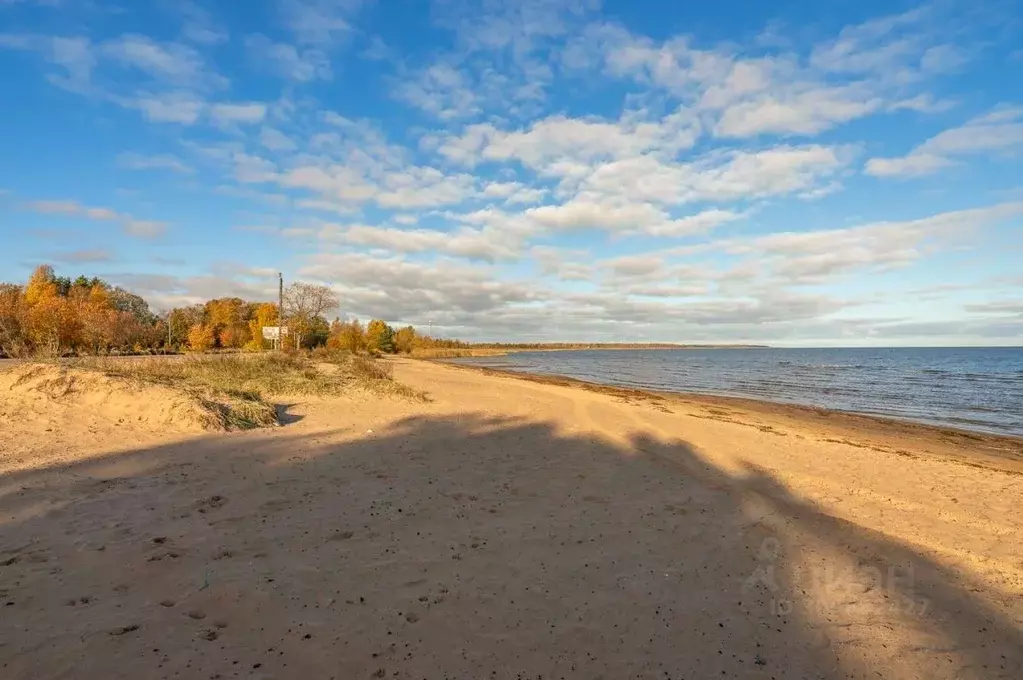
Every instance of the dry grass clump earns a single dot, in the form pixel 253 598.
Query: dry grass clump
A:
pixel 238 390
pixel 367 374
pixel 262 375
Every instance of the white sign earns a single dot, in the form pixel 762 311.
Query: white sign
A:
pixel 274 332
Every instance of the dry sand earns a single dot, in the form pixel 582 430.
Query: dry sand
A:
pixel 509 529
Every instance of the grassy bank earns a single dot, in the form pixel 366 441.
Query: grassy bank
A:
pixel 239 391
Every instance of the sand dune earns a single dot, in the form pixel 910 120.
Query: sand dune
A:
pixel 507 529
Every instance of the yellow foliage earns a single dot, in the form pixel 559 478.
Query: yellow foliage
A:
pixel 53 324
pixel 265 314
pixel 201 338
pixel 234 336
pixel 348 336
pixel 40 286
pixel 405 339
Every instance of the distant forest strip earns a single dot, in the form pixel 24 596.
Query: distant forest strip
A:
pixel 59 316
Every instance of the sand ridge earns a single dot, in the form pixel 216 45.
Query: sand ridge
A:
pixel 508 529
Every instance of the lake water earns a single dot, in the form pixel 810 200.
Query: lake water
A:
pixel 971 388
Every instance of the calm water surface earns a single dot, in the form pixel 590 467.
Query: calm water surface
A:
pixel 971 388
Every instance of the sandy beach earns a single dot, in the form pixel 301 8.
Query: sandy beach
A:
pixel 509 528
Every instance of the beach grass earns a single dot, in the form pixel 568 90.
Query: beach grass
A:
pixel 241 390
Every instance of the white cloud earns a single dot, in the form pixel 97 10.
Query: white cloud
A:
pixel 913 165
pixel 514 192
pixel 165 291
pixel 75 56
pixel 440 90
pixel 816 256
pixel 922 103
pixel 729 176
pixel 356 164
pixel 561 140
pixel 320 22
pixel 246 112
pixel 172 63
pixel 249 169
pixel 288 61
pixel 169 107
pixel 804 112
pixel 446 292
pixel 694 224
pixel 590 212
pixel 81 256
pixel 996 133
pixel 199 26
pixel 867 68
pixel 275 140
pixel 130 225
pixel 135 161
pixel 526 196
pixel 478 244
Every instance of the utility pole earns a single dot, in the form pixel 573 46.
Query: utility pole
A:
pixel 280 310
pixel 170 316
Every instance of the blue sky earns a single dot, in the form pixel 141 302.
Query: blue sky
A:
pixel 797 173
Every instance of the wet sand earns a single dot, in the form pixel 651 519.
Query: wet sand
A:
pixel 510 528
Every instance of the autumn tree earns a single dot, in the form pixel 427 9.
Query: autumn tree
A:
pixel 226 317
pixel 304 303
pixel 316 333
pixel 347 335
pixel 262 315
pixel 13 341
pixel 125 301
pixel 41 285
pixel 53 324
pixel 201 338
pixel 405 339
pixel 95 315
pixel 379 337
pixel 181 321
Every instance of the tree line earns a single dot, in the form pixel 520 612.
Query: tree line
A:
pixel 60 316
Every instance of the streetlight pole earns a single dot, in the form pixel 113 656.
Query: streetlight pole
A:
pixel 280 310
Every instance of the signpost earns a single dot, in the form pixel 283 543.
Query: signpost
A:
pixel 274 334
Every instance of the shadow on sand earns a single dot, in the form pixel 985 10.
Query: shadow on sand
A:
pixel 463 548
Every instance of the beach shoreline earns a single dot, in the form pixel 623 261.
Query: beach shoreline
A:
pixel 1002 451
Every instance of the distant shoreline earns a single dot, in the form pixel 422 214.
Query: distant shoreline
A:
pixel 832 417
pixel 501 350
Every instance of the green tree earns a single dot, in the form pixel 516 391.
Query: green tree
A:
pixel 126 301
pixel 379 337
pixel 181 320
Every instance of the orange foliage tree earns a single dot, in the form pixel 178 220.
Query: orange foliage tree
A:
pixel 201 338
pixel 264 314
